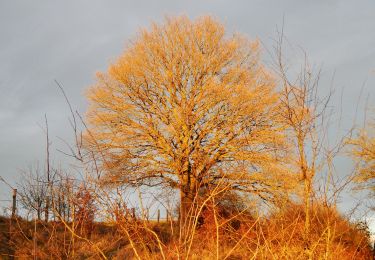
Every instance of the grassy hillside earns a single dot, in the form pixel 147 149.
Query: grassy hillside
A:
pixel 278 236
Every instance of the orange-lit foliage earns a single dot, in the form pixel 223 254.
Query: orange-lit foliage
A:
pixel 331 234
pixel 281 234
pixel 189 107
pixel 364 153
pixel 85 211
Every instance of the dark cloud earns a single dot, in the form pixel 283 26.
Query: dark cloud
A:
pixel 69 41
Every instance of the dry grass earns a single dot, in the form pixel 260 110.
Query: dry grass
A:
pixel 240 236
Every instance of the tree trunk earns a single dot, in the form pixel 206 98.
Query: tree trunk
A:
pixel 186 217
pixel 39 213
pixel 188 203
pixel 46 210
pixel 307 211
pixel 307 227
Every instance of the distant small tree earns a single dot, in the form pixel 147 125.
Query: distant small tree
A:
pixel 85 210
pixel 33 190
pixel 63 191
pixel 304 112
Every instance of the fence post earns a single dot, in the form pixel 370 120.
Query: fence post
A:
pixel 133 213
pixel 14 206
pixel 158 215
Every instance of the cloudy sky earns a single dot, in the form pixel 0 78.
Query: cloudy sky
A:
pixel 68 41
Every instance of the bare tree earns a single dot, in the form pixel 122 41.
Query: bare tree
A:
pixel 363 152
pixel 307 116
pixel 33 190
pixel 188 107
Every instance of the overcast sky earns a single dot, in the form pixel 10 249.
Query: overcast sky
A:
pixel 68 41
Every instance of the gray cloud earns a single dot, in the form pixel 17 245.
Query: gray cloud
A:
pixel 70 40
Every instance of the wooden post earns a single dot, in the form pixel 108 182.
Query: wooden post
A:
pixel 46 209
pixel 14 206
pixel 158 215
pixel 167 215
pixel 49 187
pixel 133 213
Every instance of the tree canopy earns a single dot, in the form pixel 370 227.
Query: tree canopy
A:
pixel 188 106
pixel 363 150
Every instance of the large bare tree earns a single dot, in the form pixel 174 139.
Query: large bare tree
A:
pixel 188 106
